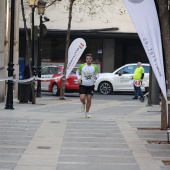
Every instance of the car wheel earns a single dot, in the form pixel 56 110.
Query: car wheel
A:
pixel 55 90
pixel 105 88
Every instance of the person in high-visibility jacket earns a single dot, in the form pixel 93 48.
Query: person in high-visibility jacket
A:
pixel 138 78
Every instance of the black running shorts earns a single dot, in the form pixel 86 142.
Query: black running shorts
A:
pixel 86 89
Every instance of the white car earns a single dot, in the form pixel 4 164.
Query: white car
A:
pixel 120 80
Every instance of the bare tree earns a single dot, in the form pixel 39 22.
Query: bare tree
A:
pixel 163 12
pixel 62 90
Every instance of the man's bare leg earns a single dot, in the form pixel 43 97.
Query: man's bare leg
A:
pixel 83 101
pixel 88 105
pixel 83 98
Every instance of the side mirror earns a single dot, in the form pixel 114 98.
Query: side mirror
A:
pixel 120 72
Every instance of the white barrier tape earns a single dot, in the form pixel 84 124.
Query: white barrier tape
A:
pixel 30 79
pixel 47 79
pixel 26 80
pixel 4 79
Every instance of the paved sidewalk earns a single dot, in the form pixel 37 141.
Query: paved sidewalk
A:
pixel 54 135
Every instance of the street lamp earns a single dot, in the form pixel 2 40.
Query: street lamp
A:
pixel 41 7
pixel 41 10
pixel 33 4
pixel 9 101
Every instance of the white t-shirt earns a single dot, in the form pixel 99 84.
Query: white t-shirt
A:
pixel 87 73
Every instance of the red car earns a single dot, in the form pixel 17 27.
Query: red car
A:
pixel 54 85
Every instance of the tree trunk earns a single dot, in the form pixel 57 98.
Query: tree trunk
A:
pixel 163 12
pixel 28 61
pixel 62 90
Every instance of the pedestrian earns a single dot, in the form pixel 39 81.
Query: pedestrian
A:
pixel 87 73
pixel 137 81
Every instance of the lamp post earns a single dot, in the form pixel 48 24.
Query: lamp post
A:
pixel 41 10
pixel 9 101
pixel 33 4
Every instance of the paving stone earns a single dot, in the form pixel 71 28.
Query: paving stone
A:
pixel 158 146
pixel 98 159
pixel 119 110
pixel 91 124
pixel 14 143
pixel 34 167
pixel 92 121
pixel 15 138
pixel 6 165
pixel 26 133
pixel 54 109
pixel 165 167
pixel 160 154
pixel 9 157
pixel 92 127
pixel 12 150
pixel 94 145
pixel 92 139
pixel 97 135
pixel 95 152
pixel 84 131
pixel 96 167
pixel 18 129
pixel 26 123
pixel 151 132
pixel 160 136
pixel 143 122
pixel 15 135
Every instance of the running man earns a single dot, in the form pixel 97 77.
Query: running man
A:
pixel 87 73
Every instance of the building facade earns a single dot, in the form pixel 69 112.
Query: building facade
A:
pixel 4 46
pixel 105 26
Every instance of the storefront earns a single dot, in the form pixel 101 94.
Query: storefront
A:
pixel 110 49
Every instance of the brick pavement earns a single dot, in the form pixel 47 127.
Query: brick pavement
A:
pixel 54 135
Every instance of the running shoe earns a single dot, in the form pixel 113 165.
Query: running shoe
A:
pixel 87 115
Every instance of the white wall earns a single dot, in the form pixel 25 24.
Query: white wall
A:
pixel 104 15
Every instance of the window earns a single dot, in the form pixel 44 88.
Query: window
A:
pixel 129 69
pixel 73 72
pixel 45 71
pixel 146 69
pixel 55 70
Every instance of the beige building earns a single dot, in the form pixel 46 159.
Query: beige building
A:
pixel 105 25
pixel 4 46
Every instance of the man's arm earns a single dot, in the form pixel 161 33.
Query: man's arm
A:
pixel 78 73
pixel 96 72
pixel 143 71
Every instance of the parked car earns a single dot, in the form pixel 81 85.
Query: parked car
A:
pixel 55 73
pixel 120 80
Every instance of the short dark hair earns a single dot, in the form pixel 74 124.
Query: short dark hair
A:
pixel 89 54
